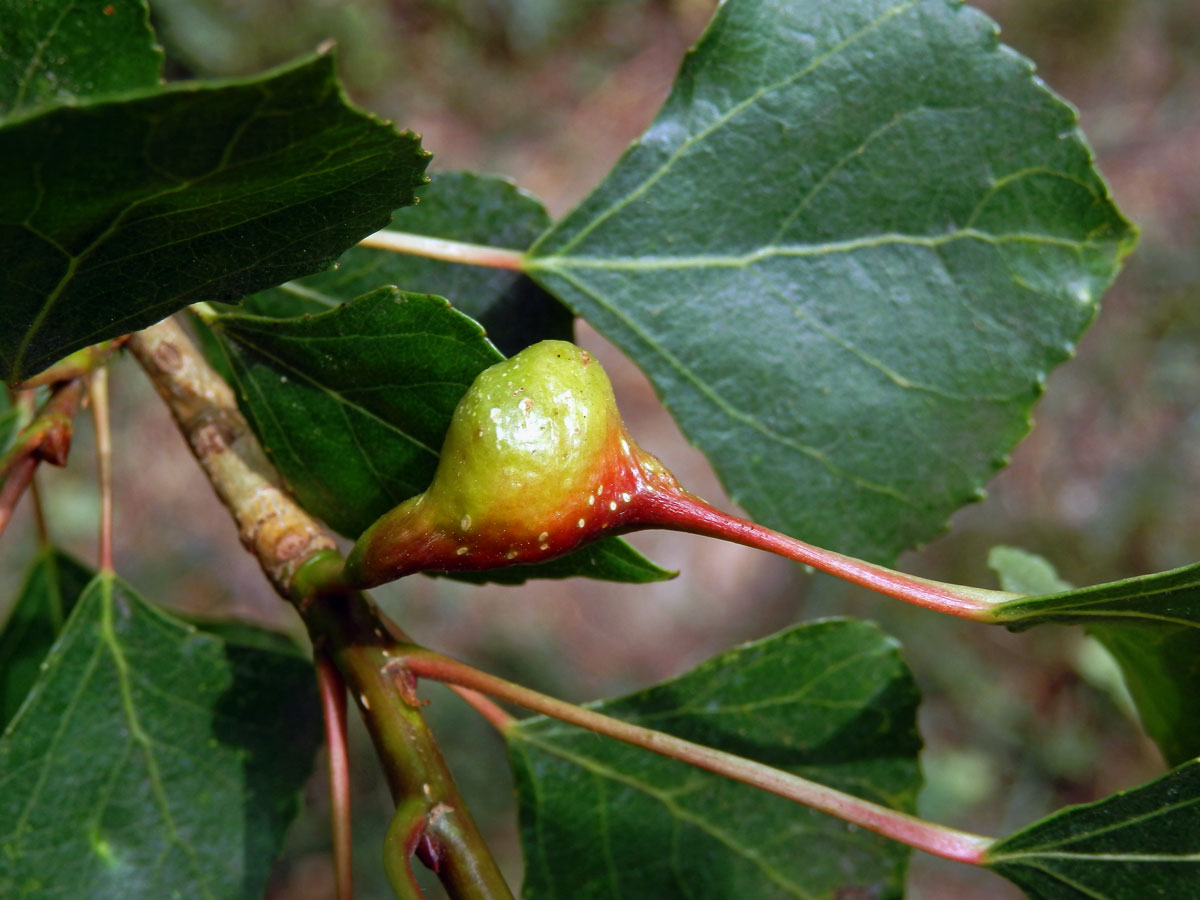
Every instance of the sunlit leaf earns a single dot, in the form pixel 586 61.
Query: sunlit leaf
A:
pixel 847 252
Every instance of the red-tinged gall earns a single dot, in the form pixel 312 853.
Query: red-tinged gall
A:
pixel 532 447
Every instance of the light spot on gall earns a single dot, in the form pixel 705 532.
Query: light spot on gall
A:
pixel 542 537
pixel 582 522
pixel 461 551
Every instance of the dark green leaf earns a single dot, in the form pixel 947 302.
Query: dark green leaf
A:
pixel 114 214
pixel 1160 660
pixel 1165 598
pixel 831 701
pixel 59 51
pixel 1130 846
pixel 846 253
pixel 457 206
pixel 152 760
pixel 352 406
pixel 51 588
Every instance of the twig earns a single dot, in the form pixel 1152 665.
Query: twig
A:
pixel 298 558
pixel 932 838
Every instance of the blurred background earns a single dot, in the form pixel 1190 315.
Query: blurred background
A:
pixel 549 92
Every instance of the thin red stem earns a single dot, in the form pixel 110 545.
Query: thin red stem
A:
pixel 932 838
pixel 681 511
pixel 333 706
pixel 15 482
pixel 100 419
pixel 497 717
pixel 46 438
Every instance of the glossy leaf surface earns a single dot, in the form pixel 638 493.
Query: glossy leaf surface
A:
pixel 115 213
pixel 1130 846
pixel 831 701
pixel 58 51
pixel 352 405
pixel 51 588
pixel 458 206
pixel 1150 625
pixel 847 252
pixel 152 760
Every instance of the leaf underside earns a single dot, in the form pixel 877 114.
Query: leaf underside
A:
pixel 152 760
pixel 847 252
pixel 830 701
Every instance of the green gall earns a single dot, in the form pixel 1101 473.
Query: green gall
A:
pixel 535 463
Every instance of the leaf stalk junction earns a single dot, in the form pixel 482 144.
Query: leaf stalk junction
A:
pixel 440 248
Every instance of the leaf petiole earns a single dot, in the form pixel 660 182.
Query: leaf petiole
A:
pixel 681 511
pixel 440 248
pixel 936 839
